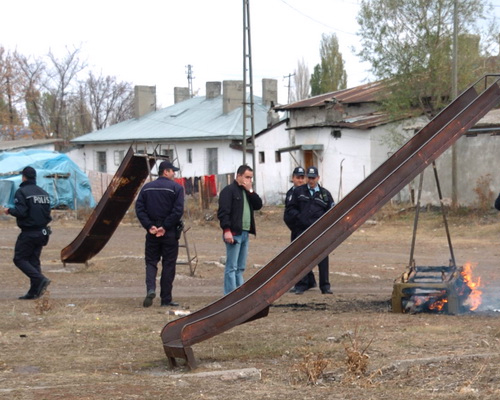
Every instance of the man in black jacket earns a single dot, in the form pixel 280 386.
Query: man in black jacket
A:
pixel 307 204
pixel 32 212
pixel 159 208
pixel 497 203
pixel 237 203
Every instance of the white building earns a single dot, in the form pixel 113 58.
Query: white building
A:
pixel 203 135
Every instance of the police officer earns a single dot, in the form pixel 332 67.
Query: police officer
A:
pixel 159 208
pixel 298 179
pixel 306 205
pixel 32 212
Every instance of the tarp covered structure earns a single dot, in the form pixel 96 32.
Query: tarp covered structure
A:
pixel 60 177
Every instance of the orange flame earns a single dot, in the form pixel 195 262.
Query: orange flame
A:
pixel 475 297
pixel 438 305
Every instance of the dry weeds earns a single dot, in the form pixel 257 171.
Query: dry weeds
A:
pixel 90 338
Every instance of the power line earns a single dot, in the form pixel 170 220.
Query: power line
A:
pixel 317 21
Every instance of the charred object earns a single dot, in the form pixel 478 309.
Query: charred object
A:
pixel 431 289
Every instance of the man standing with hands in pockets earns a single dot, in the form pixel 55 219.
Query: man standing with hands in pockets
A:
pixel 237 203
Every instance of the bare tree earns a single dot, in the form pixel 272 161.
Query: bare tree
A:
pixel 33 74
pixel 301 80
pixel 110 101
pixel 10 90
pixel 61 77
pixel 48 94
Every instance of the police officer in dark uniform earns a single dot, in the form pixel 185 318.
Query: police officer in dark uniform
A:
pixel 32 212
pixel 298 179
pixel 306 205
pixel 159 208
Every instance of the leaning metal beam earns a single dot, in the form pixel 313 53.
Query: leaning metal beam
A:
pixel 252 299
pixel 110 210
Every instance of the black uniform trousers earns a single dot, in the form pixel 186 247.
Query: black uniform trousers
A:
pixel 309 281
pixel 27 253
pixel 165 248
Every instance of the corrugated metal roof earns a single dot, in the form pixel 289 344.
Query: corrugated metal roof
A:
pixel 369 92
pixel 365 121
pixel 194 119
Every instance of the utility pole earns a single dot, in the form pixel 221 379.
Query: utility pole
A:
pixel 190 78
pixel 248 105
pixel 454 94
pixel 289 76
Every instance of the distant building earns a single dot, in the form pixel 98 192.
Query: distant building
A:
pixel 203 134
pixel 345 134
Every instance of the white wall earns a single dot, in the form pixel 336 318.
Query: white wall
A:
pixel 228 159
pixel 478 158
pixel 273 178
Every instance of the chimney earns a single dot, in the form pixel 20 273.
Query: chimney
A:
pixel 144 100
pixel 212 90
pixel 269 92
pixel 232 95
pixel 181 94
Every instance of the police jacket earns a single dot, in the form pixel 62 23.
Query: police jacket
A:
pixel 290 222
pixel 230 212
pixel 160 203
pixel 303 209
pixel 31 206
pixel 497 203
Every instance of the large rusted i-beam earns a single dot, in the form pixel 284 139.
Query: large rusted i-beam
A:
pixel 115 202
pixel 252 299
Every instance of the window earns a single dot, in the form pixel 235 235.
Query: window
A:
pixel 262 157
pixel 101 161
pixel 189 155
pixel 119 155
pixel 169 154
pixel 212 165
pixel 277 156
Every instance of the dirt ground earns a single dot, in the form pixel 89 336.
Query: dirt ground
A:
pixel 90 337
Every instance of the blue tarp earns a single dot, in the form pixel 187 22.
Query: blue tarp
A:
pixel 60 177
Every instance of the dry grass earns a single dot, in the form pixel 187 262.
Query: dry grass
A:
pixel 90 338
pixel 43 304
pixel 356 359
pixel 310 370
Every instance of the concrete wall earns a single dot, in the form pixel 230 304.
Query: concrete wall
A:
pixel 273 177
pixel 181 94
pixel 478 159
pixel 269 92
pixel 232 92
pixel 144 100
pixel 228 159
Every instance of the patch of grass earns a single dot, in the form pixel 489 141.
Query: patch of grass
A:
pixel 310 369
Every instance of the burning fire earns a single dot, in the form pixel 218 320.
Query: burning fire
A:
pixel 475 296
pixel 466 288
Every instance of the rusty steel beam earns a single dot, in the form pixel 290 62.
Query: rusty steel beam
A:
pixel 252 299
pixel 110 210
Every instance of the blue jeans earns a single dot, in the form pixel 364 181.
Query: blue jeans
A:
pixel 236 259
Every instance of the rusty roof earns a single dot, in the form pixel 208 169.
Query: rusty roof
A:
pixel 367 93
pixel 365 121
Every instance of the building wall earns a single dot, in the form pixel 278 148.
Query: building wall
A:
pixel 228 159
pixel 477 159
pixel 273 176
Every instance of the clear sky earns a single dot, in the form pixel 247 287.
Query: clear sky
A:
pixel 150 42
